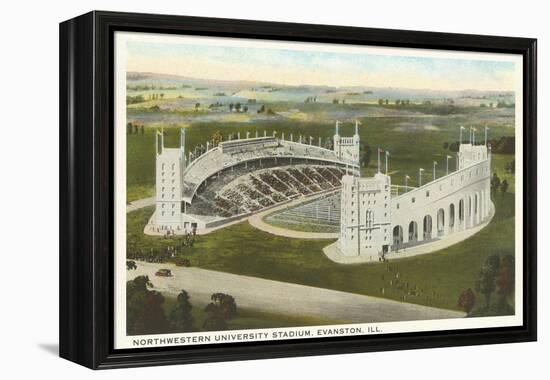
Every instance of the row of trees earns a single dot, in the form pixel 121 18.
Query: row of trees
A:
pixel 238 107
pixel 146 312
pixel 498 185
pixel 268 111
pixel 496 276
pixel 397 102
pixel 134 128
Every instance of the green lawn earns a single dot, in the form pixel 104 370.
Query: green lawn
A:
pixel 440 276
pixel 242 249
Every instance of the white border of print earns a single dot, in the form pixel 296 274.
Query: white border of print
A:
pixel 160 340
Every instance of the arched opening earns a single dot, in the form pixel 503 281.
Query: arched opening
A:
pixel 427 227
pixel 461 211
pixel 452 215
pixel 413 232
pixel 440 222
pixel 397 236
pixel 470 211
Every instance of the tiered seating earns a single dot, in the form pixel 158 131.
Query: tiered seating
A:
pixel 300 176
pixel 225 207
pixel 319 180
pixel 242 191
pixel 271 180
pixel 261 186
pixel 254 195
pixel 329 176
pixel 284 177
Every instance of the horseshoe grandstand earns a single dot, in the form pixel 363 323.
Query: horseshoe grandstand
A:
pixel 379 223
pixel 238 177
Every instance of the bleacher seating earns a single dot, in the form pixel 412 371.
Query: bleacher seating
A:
pixel 244 190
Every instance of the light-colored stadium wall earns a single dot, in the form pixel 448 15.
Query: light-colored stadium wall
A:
pixel 455 202
pixel 365 215
pixel 170 164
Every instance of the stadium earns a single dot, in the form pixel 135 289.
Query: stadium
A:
pixel 299 186
pixel 238 177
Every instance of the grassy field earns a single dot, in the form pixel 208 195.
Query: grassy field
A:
pixel 413 141
pixel 249 318
pixel 440 276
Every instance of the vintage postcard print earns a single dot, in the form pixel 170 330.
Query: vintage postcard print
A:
pixel 271 190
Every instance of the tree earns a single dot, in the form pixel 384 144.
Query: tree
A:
pixel 197 106
pixel 445 145
pixel 366 154
pixel 231 105
pixel 245 109
pixel 510 167
pixel 130 128
pixel 238 107
pixel 180 316
pixel 144 308
pixel 495 182
pixel 221 309
pixel 387 101
pixel 467 301
pixel 486 282
pixel 504 186
pixel 142 129
pixel 380 102
pixel 505 278
pixel 217 138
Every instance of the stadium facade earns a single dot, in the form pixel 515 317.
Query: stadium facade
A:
pixel 237 177
pixel 378 223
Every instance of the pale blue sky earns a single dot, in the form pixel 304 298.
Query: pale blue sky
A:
pixel 335 68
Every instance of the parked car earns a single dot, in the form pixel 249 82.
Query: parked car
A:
pixel 164 273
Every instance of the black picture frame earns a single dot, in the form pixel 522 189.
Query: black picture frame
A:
pixel 86 188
